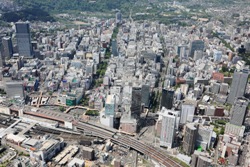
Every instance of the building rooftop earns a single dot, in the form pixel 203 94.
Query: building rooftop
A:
pixel 48 144
pixel 31 142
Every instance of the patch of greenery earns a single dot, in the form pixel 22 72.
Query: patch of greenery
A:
pixel 221 122
pixel 85 101
pixel 23 154
pixel 102 69
pixel 228 106
pixel 92 113
pixel 226 71
pixel 62 109
pixel 177 86
pixel 115 32
pixel 97 82
pixel 219 127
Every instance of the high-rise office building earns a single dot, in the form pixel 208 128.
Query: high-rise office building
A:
pixel 239 111
pixel 110 105
pixel 14 89
pixel 224 88
pixel 217 55
pixel 145 91
pixel 204 137
pixel 189 138
pixel 178 50
pixel 167 98
pixel 215 88
pixel 187 113
pixel 114 48
pixel 23 39
pixel 170 123
pixel 201 159
pixel 89 68
pixel 2 60
pixel 7 48
pixel 118 17
pixel 136 102
pixel 196 45
pixel 183 53
pixel 238 85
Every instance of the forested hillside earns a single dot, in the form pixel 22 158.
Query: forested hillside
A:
pixel 41 9
pixel 82 5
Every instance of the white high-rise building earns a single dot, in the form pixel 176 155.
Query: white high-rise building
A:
pixel 89 68
pixel 110 105
pixel 170 124
pixel 187 113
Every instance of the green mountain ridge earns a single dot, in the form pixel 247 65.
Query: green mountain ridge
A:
pixel 41 10
pixel 79 5
pixel 31 14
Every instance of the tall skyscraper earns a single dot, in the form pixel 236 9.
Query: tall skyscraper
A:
pixel 170 123
pixel 238 85
pixel 239 110
pixel 183 53
pixel 145 91
pixel 118 17
pixel 136 102
pixel 114 48
pixel 187 113
pixel 110 105
pixel 189 138
pixel 196 45
pixel 89 68
pixel 7 47
pixel 2 60
pixel 167 98
pixel 23 39
pixel 204 137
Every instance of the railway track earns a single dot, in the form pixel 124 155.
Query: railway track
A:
pixel 137 145
pixel 102 132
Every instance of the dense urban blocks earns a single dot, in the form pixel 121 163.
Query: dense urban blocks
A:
pixel 121 83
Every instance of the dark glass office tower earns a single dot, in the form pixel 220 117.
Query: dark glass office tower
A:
pixel 23 39
pixel 196 45
pixel 7 48
pixel 167 98
pixel 136 102
pixel 145 91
